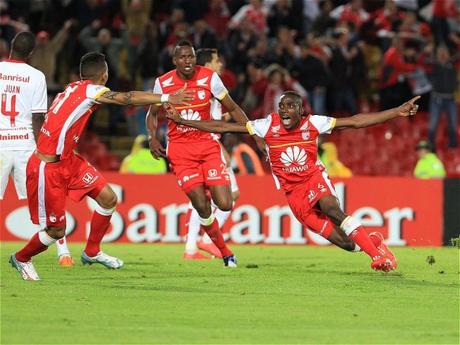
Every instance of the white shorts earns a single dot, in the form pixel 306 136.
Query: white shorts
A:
pixel 14 163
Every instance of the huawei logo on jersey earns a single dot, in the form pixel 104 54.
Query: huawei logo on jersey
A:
pixel 189 114
pixel 294 159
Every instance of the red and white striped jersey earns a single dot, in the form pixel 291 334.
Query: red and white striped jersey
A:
pixel 67 117
pixel 205 85
pixel 23 93
pixel 293 154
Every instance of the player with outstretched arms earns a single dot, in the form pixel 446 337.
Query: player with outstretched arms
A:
pixel 23 108
pixel 195 156
pixel 291 138
pixel 55 170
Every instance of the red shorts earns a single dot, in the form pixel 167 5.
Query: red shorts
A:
pixel 303 199
pixel 48 185
pixel 198 164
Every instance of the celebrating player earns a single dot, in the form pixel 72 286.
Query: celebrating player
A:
pixel 24 104
pixel 195 156
pixel 209 58
pixel 55 170
pixel 291 138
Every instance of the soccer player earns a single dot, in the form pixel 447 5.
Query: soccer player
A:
pixel 24 104
pixel 291 138
pixel 196 157
pixel 55 170
pixel 209 58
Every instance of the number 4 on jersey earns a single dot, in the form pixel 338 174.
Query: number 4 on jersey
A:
pixel 12 113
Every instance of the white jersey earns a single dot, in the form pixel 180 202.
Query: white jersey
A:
pixel 23 93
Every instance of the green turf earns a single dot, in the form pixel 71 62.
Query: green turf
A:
pixel 296 295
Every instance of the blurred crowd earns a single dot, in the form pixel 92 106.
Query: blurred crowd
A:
pixel 342 56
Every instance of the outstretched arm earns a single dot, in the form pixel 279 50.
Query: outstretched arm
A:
pixel 145 98
pixel 369 119
pixel 212 126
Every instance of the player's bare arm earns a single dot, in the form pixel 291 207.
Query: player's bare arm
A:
pixel 239 116
pixel 182 97
pixel 37 122
pixel 151 121
pixel 369 119
pixel 213 126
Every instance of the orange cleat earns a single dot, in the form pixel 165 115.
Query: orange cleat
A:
pixel 377 238
pixel 210 248
pixel 381 263
pixel 196 256
pixel 66 261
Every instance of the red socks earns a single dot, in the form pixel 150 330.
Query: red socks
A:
pixel 361 238
pixel 99 225
pixel 37 244
pixel 214 233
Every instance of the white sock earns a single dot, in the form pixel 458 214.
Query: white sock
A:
pixel 222 217
pixel 45 239
pixel 61 246
pixel 193 233
pixel 357 248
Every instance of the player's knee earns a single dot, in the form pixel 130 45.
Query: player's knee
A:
pixel 203 207
pixel 225 204
pixel 110 201
pixel 56 232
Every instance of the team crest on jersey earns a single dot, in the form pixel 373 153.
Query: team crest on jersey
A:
pixel 201 94
pixel 276 129
pixel 305 135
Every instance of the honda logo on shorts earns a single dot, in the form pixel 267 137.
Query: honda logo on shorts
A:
pixel 212 173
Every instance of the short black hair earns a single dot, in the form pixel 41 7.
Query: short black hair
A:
pixel 23 44
pixel 92 65
pixel 294 95
pixel 182 43
pixel 204 56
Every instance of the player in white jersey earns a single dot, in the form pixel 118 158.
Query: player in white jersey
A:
pixel 209 58
pixel 23 109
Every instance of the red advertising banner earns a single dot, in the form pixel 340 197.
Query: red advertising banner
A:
pixel 151 208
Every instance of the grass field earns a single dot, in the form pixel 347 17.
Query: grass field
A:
pixel 296 295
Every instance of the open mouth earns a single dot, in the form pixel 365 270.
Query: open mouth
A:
pixel 286 120
pixel 188 68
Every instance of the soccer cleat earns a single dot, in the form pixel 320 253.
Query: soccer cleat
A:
pixel 66 261
pixel 103 259
pixel 381 263
pixel 196 256
pixel 209 248
pixel 26 269
pixel 230 261
pixel 376 238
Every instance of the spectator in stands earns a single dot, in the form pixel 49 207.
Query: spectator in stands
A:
pixel 217 17
pixel 313 74
pixel 428 164
pixel 324 22
pixel 285 13
pixel 241 40
pixel 244 160
pixel 352 12
pixel 393 84
pixel 140 160
pixel 442 10
pixel 203 36
pixel 46 50
pixel 340 65
pixel 443 77
pixel 255 12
